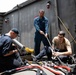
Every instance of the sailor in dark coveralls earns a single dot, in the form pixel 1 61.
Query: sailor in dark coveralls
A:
pixel 9 56
pixel 41 26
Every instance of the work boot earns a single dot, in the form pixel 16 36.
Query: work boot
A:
pixel 28 50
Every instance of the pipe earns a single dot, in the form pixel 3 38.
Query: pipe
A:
pixel 21 46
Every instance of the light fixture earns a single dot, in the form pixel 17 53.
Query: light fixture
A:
pixel 6 20
pixel 48 4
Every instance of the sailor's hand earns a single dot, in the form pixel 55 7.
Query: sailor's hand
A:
pixel 46 35
pixel 56 54
pixel 15 51
pixel 11 52
pixel 41 32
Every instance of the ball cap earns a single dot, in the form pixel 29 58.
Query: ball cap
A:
pixel 15 30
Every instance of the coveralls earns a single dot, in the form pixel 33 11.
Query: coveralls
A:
pixel 40 24
pixel 46 51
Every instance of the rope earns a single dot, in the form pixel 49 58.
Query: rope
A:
pixel 66 28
